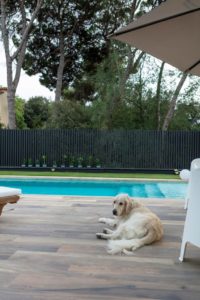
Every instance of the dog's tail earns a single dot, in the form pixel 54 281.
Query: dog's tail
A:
pixel 117 246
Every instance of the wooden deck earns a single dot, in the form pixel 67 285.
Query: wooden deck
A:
pixel 49 251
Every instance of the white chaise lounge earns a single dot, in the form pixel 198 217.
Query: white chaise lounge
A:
pixel 191 233
pixel 8 195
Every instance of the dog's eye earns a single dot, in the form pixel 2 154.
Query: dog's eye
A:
pixel 114 202
pixel 120 203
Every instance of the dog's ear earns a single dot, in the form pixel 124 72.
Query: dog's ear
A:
pixel 129 205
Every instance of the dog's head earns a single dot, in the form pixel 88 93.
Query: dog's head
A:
pixel 122 205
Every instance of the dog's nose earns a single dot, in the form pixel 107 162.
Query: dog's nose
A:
pixel 114 212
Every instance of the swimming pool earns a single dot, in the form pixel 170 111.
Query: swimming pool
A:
pixel 80 187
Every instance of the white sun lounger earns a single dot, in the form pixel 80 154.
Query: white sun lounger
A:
pixel 195 164
pixel 8 195
pixel 191 233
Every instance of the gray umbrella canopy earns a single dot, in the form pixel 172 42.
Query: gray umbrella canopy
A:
pixel 170 32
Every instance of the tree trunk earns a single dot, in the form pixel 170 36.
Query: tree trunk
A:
pixel 131 68
pixel 172 105
pixel 132 64
pixel 158 94
pixel 10 94
pixel 117 98
pixel 11 108
pixel 60 70
pixel 18 56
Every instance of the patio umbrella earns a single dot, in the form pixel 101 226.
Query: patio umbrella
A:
pixel 170 32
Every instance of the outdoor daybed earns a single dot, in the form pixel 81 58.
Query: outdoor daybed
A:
pixel 8 195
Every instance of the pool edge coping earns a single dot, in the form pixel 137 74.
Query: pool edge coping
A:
pixel 90 178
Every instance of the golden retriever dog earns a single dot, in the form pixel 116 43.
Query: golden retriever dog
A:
pixel 134 226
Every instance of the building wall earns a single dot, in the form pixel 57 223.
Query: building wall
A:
pixel 3 107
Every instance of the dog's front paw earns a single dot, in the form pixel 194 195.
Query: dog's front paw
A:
pixel 107 231
pixel 113 251
pixel 99 235
pixel 102 220
pixel 127 252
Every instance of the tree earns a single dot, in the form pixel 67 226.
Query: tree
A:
pixel 18 18
pixel 72 36
pixel 114 77
pixel 36 112
pixel 158 94
pixel 69 113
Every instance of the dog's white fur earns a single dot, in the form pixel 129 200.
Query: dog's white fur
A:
pixel 135 224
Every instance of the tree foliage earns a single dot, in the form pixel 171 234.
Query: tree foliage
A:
pixel 19 111
pixel 71 37
pixel 68 113
pixel 36 112
pixel 186 116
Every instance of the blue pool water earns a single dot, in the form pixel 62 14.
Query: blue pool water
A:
pixel 97 187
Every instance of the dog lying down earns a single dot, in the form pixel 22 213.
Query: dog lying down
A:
pixel 134 226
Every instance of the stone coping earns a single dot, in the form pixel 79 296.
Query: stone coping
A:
pixel 89 178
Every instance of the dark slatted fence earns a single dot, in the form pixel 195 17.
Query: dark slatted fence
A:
pixel 114 149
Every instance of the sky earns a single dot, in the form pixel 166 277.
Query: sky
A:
pixel 29 86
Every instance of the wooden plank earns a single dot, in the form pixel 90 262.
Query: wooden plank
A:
pixel 49 251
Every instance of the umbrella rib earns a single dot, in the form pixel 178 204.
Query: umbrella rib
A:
pixel 155 22
pixel 193 66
